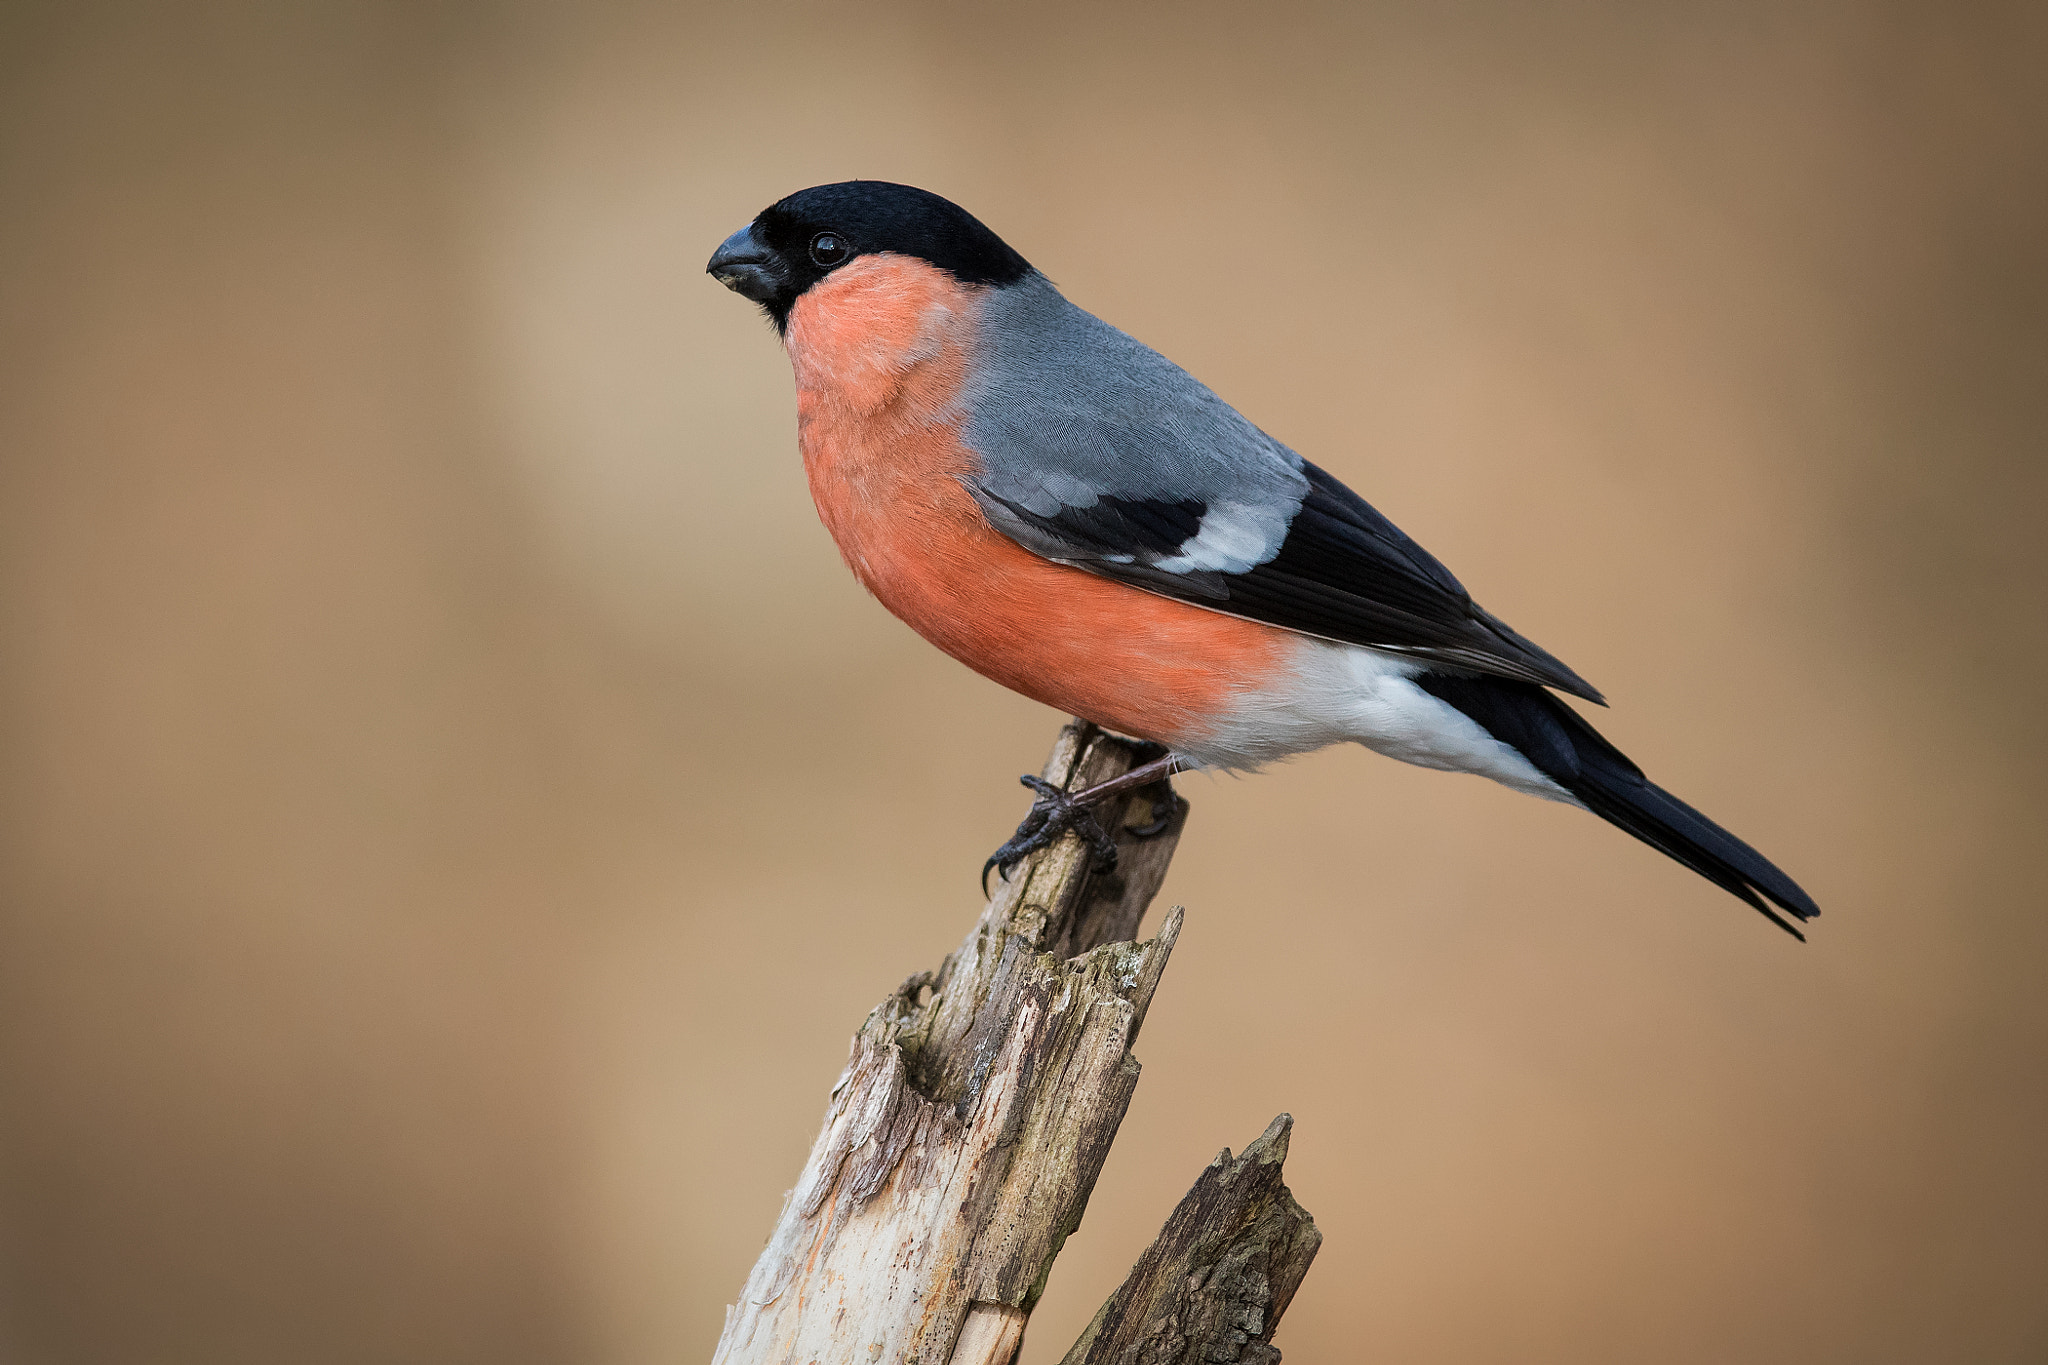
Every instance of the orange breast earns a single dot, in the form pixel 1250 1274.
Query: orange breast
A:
pixel 881 349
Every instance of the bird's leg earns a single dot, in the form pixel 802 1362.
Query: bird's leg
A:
pixel 1054 812
pixel 1154 772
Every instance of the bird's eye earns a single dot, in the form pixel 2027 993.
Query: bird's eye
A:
pixel 828 249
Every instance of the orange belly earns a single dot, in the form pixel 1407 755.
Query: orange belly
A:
pixel 880 359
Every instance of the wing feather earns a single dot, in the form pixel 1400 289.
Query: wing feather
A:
pixel 1098 452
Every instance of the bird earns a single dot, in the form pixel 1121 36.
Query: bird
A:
pixel 1070 514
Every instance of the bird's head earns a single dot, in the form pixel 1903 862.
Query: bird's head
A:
pixel 794 243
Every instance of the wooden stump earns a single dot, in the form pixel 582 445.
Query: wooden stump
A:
pixel 963 1139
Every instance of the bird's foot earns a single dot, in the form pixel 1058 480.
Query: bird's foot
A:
pixel 1153 756
pixel 1053 813
pixel 1163 804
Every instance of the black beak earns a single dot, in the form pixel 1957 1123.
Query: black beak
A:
pixel 743 265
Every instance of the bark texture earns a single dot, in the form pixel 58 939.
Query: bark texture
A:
pixel 1212 1286
pixel 962 1141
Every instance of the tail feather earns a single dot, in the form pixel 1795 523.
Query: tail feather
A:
pixel 1569 751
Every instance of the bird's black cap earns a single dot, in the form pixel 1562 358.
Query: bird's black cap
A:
pixel 797 241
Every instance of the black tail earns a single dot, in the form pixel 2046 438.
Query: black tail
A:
pixel 1571 753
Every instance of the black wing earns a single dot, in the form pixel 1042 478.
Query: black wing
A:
pixel 1342 572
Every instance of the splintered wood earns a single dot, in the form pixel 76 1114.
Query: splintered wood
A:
pixel 962 1140
pixel 1214 1283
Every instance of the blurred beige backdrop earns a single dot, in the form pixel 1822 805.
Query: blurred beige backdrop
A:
pixel 454 806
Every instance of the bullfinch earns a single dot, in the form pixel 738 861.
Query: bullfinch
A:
pixel 1067 512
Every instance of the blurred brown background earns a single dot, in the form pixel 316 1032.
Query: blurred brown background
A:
pixel 454 806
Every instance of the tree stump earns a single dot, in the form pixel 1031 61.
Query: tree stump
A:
pixel 962 1141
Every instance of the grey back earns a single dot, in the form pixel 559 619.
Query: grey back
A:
pixel 1065 411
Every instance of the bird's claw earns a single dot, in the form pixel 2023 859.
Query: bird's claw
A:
pixel 1164 802
pixel 1053 813
pixel 1162 815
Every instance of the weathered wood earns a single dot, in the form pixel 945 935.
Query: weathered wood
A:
pixel 962 1141
pixel 1214 1283
pixel 991 1335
